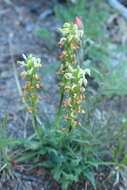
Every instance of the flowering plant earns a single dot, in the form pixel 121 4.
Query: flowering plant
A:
pixel 66 144
pixel 73 81
pixel 31 65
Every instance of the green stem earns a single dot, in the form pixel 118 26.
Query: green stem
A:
pixel 61 101
pixel 35 126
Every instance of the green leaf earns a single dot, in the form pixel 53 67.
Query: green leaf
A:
pixel 8 142
pixel 75 162
pixel 27 156
pixel 57 171
pixel 33 145
pixel 70 177
pixel 65 185
pixel 90 176
pixel 52 150
pixel 42 151
pixel 47 164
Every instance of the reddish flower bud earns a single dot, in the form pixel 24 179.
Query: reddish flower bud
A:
pixel 79 23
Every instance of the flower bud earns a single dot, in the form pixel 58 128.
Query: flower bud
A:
pixel 39 86
pixel 79 23
pixel 29 109
pixel 37 77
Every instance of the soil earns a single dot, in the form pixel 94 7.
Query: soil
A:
pixel 19 22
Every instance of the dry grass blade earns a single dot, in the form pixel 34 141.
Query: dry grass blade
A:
pixel 117 5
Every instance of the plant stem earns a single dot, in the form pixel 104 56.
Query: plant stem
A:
pixel 61 101
pixel 35 125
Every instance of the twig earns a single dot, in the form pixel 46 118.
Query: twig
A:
pixel 4 166
pixel 117 5
pixel 28 178
pixel 17 79
pixel 14 66
pixel 45 14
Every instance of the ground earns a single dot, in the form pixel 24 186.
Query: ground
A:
pixel 19 22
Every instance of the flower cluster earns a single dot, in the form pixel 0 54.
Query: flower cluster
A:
pixel 71 32
pixel 70 42
pixel 31 65
pixel 74 87
pixel 73 81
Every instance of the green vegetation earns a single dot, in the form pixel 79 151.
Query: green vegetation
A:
pixel 7 154
pixel 85 141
